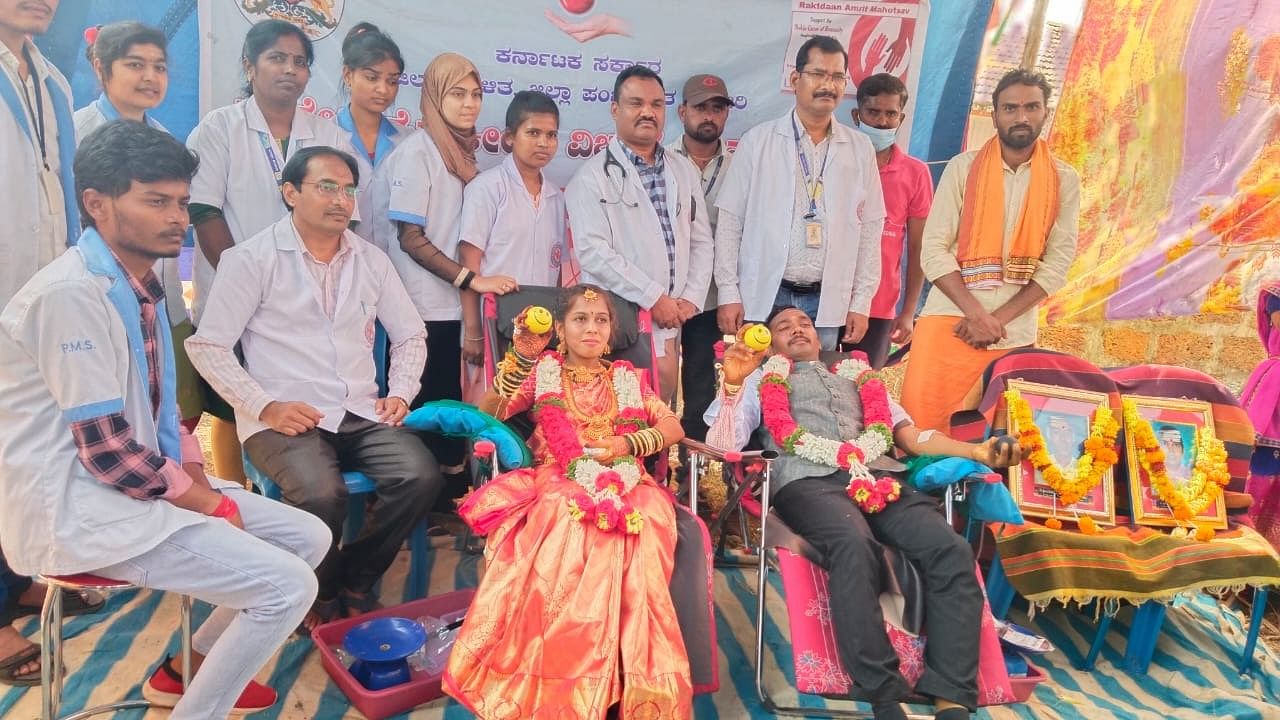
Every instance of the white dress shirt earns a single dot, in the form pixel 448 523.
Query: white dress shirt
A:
pixel 267 298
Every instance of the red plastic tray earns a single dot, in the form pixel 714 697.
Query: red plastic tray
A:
pixel 1024 686
pixel 423 688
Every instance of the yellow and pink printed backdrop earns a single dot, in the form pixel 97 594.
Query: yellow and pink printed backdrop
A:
pixel 1171 114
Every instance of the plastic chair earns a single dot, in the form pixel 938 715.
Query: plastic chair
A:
pixel 51 675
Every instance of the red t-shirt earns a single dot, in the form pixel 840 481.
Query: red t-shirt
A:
pixel 908 193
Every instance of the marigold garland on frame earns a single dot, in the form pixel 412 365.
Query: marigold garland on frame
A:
pixel 1069 484
pixel 1209 473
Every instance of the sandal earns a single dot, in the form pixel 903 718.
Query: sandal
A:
pixel 9 668
pixel 326 611
pixel 74 602
pixel 362 604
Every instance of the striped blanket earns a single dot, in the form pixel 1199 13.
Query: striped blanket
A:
pixel 1126 564
pixel 108 655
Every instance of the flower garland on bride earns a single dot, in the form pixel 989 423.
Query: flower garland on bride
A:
pixel 601 500
pixel 870 493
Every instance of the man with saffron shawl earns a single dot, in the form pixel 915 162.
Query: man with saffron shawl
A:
pixel 999 240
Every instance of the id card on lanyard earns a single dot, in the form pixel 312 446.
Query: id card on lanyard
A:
pixel 709 184
pixel 813 227
pixel 277 165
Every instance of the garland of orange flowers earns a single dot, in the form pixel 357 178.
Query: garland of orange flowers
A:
pixel 1209 474
pixel 1070 486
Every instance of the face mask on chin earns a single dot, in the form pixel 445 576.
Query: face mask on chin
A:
pixel 880 139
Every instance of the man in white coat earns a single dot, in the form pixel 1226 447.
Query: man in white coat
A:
pixel 640 223
pixel 37 145
pixel 302 298
pixel 801 211
pixel 97 475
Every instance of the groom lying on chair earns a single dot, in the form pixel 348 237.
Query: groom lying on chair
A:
pixel 827 428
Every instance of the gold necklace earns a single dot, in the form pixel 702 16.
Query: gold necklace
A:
pixel 583 375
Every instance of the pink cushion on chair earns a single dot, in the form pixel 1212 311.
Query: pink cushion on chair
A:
pixel 813 639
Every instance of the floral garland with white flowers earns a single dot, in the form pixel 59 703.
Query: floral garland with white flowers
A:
pixel 603 487
pixel 870 493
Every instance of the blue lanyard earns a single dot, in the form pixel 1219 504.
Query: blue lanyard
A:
pixel 812 186
pixel 268 147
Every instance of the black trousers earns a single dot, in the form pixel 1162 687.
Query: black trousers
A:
pixel 308 468
pixel 849 541
pixel 876 342
pixel 442 380
pixel 698 371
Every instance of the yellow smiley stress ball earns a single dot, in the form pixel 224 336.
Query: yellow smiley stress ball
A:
pixel 757 337
pixel 538 320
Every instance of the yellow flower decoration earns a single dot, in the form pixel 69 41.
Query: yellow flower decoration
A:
pixel 1209 474
pixel 1085 473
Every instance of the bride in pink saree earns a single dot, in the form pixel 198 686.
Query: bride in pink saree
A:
pixel 574 615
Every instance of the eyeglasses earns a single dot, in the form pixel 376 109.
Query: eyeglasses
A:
pixel 822 78
pixel 329 188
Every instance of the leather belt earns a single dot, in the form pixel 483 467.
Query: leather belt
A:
pixel 802 288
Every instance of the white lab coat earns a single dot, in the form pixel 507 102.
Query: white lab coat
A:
pixel 236 176
pixel 20 203
pixel 90 118
pixel 389 137
pixel 760 191
pixel 617 235
pixel 414 186
pixel 64 357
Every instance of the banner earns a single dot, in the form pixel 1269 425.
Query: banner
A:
pixel 880 37
pixel 1172 125
pixel 572 50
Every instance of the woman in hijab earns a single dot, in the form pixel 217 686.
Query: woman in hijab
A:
pixel 423 181
pixel 1261 399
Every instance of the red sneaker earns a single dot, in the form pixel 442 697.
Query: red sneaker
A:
pixel 164 689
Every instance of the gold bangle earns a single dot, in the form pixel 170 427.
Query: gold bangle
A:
pixel 730 389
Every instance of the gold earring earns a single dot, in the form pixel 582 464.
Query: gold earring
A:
pixel 560 348
pixel 607 349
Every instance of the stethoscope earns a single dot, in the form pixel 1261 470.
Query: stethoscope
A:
pixel 619 183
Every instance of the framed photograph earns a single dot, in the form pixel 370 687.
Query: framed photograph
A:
pixel 1174 423
pixel 1064 416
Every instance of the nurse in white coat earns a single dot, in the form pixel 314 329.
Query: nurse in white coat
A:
pixel 371 70
pixel 37 145
pixel 650 246
pixel 132 64
pixel 236 193
pixel 423 181
pixel 801 211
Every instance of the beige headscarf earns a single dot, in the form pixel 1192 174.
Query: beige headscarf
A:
pixel 457 147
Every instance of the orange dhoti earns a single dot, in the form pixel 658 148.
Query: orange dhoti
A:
pixel 569 620
pixel 943 373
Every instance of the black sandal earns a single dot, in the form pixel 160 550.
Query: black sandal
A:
pixel 74 602
pixel 9 668
pixel 362 604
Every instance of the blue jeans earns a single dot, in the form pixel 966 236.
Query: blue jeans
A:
pixel 12 585
pixel 808 304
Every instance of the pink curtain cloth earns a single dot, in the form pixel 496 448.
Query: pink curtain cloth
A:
pixel 1261 399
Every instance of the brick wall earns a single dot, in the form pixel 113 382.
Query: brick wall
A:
pixel 1224 345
